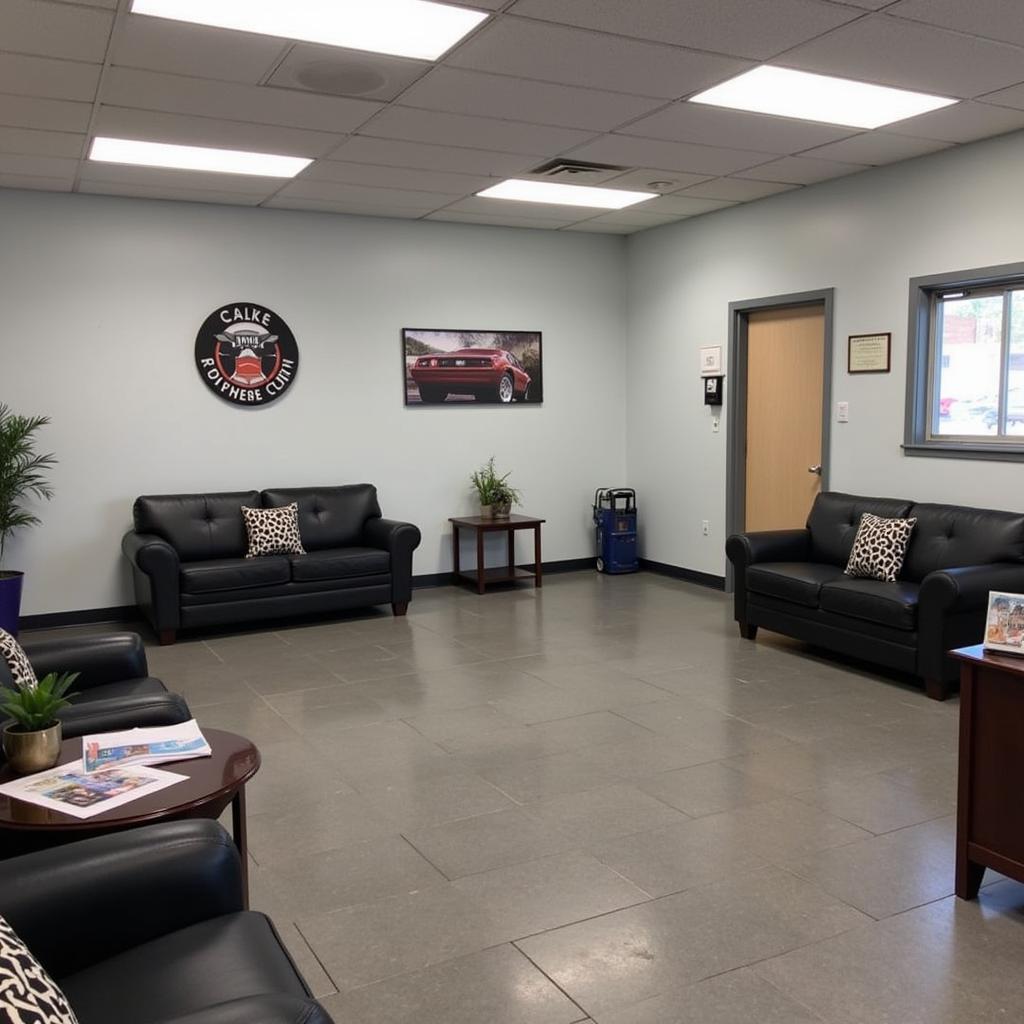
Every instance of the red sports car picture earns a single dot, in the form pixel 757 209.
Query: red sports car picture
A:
pixel 475 367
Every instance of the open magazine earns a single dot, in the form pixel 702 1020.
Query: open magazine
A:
pixel 144 746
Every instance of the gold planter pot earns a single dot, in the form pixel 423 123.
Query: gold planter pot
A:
pixel 486 511
pixel 29 752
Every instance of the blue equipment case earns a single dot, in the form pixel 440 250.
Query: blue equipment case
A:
pixel 615 519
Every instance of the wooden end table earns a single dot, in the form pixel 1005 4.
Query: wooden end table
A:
pixel 211 783
pixel 989 810
pixel 481 576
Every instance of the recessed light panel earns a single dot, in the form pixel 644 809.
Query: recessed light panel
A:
pixel 809 97
pixel 196 158
pixel 405 28
pixel 525 190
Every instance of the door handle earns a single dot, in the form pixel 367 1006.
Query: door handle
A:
pixel 815 469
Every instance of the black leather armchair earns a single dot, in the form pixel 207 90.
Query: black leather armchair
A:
pixel 148 926
pixel 114 689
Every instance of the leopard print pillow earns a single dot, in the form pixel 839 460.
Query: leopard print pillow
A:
pixel 27 993
pixel 22 674
pixel 273 531
pixel 879 548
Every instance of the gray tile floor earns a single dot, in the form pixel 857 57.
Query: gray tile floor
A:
pixel 595 802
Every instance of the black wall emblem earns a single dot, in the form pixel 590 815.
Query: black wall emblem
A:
pixel 246 354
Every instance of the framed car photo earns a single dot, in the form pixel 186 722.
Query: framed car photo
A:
pixel 1004 626
pixel 472 367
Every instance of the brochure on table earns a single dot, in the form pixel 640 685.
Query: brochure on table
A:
pixel 1004 624
pixel 69 789
pixel 144 746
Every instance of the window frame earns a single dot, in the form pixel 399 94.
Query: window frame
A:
pixel 922 352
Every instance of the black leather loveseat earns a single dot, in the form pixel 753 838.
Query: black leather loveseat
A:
pixel 187 553
pixel 792 582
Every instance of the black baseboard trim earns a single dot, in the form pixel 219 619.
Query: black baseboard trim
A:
pixel 82 617
pixel 444 579
pixel 702 579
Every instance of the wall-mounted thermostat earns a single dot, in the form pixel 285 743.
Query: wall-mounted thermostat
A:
pixel 714 388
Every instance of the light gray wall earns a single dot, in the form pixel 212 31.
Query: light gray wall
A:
pixel 865 236
pixel 101 302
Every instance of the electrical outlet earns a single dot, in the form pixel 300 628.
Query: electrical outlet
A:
pixel 843 412
pixel 705 527
pixel 716 422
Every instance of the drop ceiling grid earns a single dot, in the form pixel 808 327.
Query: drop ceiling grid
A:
pixel 492 107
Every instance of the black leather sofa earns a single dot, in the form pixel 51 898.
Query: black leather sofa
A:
pixel 187 553
pixel 114 689
pixel 792 582
pixel 148 926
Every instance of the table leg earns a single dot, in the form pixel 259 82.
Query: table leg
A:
pixel 455 552
pixel 511 552
pixel 968 876
pixel 539 579
pixel 480 584
pixel 238 827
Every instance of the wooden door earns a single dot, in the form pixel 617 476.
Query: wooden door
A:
pixel 785 383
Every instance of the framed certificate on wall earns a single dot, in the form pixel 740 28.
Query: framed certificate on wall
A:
pixel 869 353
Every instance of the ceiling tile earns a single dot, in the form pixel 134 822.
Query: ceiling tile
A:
pixel 876 148
pixel 484 5
pixel 748 28
pixel 156 44
pixel 1012 97
pixel 495 220
pixel 191 195
pixel 683 156
pixel 120 122
pixel 336 72
pixel 55 30
pixel 551 53
pixel 47 115
pixel 902 53
pixel 461 130
pixel 994 19
pixel 53 79
pixel 595 228
pixel 474 92
pixel 36 183
pixel 109 4
pixel 713 126
pixel 37 166
pixel 125 87
pixel 356 209
pixel 869 5
pixel 637 218
pixel 513 208
pixel 33 143
pixel 737 189
pixel 395 153
pixel 680 204
pixel 965 122
pixel 169 179
pixel 396 177
pixel 798 170
pixel 339 192
pixel 668 181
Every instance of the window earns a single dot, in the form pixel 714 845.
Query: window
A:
pixel 965 391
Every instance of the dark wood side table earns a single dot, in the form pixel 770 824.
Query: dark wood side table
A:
pixel 211 783
pixel 481 576
pixel 990 797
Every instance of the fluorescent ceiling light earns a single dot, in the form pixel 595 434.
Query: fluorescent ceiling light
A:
pixel 404 28
pixel 196 158
pixel 525 190
pixel 788 93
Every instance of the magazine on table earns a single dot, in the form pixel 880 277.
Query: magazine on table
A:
pixel 70 789
pixel 144 746
pixel 1004 625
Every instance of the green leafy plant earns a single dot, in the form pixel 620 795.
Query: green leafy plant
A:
pixel 493 489
pixel 22 471
pixel 36 707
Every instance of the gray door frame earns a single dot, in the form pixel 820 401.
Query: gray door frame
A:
pixel 736 468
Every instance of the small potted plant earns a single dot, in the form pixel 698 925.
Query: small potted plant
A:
pixel 22 474
pixel 31 742
pixel 496 494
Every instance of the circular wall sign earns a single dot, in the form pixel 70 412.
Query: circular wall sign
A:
pixel 246 354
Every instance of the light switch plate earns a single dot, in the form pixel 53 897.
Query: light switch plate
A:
pixel 843 412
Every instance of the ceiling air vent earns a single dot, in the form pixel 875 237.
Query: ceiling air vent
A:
pixel 576 170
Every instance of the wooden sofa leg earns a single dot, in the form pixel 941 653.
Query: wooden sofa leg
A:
pixel 400 607
pixel 937 689
pixel 168 637
pixel 748 630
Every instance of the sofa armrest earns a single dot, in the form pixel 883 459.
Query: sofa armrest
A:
pixel 745 549
pixel 79 904
pixel 400 540
pixel 144 711
pixel 97 659
pixel 263 1009
pixel 155 567
pixel 966 588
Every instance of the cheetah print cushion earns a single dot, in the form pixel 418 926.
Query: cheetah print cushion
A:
pixel 22 675
pixel 273 531
pixel 879 548
pixel 27 993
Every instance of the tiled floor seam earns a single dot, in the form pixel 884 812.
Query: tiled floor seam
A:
pixel 313 953
pixel 543 973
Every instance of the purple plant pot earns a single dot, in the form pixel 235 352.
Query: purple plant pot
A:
pixel 10 600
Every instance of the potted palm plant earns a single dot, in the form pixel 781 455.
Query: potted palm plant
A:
pixel 31 742
pixel 22 476
pixel 496 494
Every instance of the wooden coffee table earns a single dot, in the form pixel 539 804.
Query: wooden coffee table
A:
pixel 211 783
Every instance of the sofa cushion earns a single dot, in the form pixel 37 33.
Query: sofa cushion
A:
pixel 798 582
pixel 948 536
pixel 340 563
pixel 234 574
pixel 888 604
pixel 197 526
pixel 273 531
pixel 835 518
pixel 879 548
pixel 27 992
pixel 329 517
